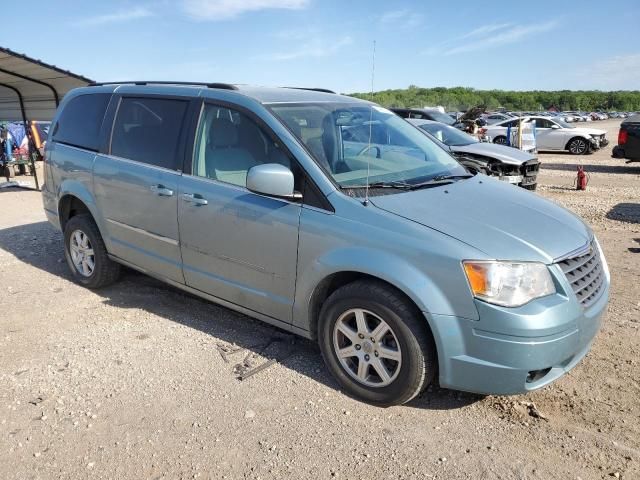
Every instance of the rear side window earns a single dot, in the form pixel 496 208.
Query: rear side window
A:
pixel 147 130
pixel 80 122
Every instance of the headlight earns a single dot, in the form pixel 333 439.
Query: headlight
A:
pixel 510 284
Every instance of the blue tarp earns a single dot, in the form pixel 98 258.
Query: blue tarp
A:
pixel 17 132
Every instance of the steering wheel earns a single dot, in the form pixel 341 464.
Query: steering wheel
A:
pixel 369 147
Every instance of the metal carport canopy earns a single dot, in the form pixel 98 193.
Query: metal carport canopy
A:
pixel 31 89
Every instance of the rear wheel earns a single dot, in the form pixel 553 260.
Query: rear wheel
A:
pixel 376 343
pixel 86 253
pixel 578 146
pixel 500 140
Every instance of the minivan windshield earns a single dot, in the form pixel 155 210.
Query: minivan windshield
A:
pixel 360 141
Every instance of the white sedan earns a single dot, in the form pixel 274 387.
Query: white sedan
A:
pixel 553 134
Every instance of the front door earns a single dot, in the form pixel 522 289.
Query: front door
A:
pixel 547 138
pixel 136 184
pixel 237 245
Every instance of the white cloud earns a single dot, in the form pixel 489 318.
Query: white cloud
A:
pixel 316 48
pixel 117 17
pixel 620 72
pixel 495 38
pixel 489 36
pixel 226 9
pixel 484 30
pixel 404 18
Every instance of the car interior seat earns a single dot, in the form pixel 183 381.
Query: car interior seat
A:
pixel 225 159
pixel 324 147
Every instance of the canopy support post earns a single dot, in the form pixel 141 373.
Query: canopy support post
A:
pixel 27 131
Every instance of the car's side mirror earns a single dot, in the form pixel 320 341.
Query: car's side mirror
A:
pixel 555 127
pixel 272 179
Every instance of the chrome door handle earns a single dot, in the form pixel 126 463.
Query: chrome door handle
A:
pixel 194 198
pixel 161 190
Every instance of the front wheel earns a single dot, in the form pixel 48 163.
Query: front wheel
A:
pixel 579 146
pixel 376 343
pixel 500 140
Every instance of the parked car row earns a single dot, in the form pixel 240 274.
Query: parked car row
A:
pixel 567 116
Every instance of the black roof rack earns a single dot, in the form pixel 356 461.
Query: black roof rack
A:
pixel 222 86
pixel 323 90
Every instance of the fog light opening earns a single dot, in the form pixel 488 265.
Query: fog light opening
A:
pixel 535 375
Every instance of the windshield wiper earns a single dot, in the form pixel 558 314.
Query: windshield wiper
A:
pixel 438 180
pixel 396 185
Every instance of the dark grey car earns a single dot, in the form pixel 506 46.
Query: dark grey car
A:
pixel 508 164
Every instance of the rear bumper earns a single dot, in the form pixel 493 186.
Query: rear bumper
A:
pixel 50 207
pixel 512 351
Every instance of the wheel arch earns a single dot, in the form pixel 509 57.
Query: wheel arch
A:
pixel 75 198
pixel 69 206
pixel 335 280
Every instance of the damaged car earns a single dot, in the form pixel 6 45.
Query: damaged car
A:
pixel 507 164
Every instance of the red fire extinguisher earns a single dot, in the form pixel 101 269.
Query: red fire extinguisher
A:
pixel 581 180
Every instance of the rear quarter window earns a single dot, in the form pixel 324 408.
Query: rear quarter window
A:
pixel 148 130
pixel 80 121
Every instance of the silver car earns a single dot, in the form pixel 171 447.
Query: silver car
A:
pixel 505 163
pixel 332 218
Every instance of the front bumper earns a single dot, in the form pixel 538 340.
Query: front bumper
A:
pixel 515 350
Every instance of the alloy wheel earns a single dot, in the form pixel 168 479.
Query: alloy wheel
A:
pixel 82 254
pixel 367 348
pixel 578 146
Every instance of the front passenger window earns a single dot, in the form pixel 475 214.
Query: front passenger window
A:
pixel 229 144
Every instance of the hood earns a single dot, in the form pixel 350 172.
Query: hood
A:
pixel 503 221
pixel 505 154
pixel 588 131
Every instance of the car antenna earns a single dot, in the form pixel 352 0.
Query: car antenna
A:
pixel 373 73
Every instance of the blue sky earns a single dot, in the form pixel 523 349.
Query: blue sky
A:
pixel 517 45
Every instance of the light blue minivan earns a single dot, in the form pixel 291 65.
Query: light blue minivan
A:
pixel 275 202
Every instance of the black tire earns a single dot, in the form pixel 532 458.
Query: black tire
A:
pixel 578 146
pixel 500 140
pixel 418 366
pixel 105 271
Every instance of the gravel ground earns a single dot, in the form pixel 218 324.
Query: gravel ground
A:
pixel 133 381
